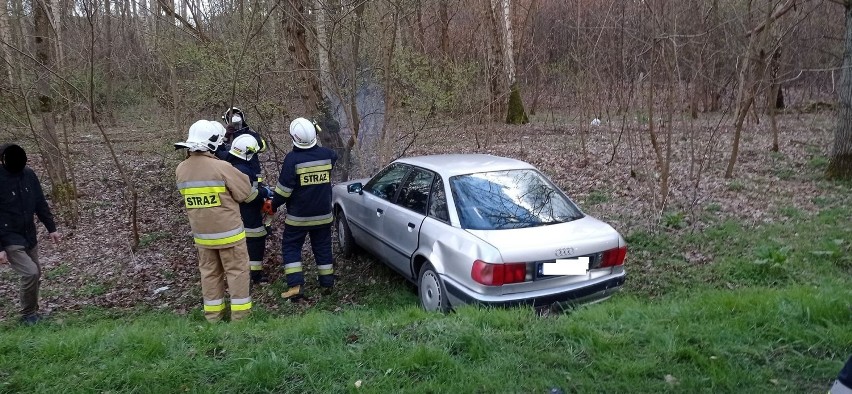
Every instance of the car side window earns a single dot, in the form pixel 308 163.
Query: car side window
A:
pixel 385 184
pixel 415 190
pixel 438 201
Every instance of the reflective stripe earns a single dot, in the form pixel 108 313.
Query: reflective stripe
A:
pixel 189 184
pixel 292 268
pixel 222 238
pixel 214 305
pixel 256 265
pixel 201 187
pixel 313 166
pixel 240 304
pixel 308 221
pixel 325 269
pixel 251 195
pixel 284 191
pixel 262 145
pixel 256 232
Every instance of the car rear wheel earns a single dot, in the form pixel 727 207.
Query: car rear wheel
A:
pixel 344 235
pixel 430 288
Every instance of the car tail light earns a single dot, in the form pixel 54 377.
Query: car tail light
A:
pixel 614 257
pixel 498 274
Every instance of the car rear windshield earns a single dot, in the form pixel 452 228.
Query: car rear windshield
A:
pixel 509 199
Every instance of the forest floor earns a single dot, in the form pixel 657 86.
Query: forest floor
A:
pixel 610 171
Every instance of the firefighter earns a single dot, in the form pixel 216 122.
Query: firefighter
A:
pixel 305 186
pixel 242 151
pixel 211 191
pixel 235 121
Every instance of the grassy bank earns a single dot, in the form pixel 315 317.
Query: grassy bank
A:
pixel 731 308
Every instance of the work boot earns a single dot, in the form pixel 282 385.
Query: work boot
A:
pixel 293 294
pixel 258 277
pixel 327 290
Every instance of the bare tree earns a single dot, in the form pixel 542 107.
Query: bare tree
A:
pixel 840 164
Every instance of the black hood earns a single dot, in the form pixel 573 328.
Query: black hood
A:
pixel 14 158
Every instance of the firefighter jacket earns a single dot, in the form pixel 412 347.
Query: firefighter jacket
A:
pixel 223 151
pixel 211 190
pixel 251 210
pixel 21 197
pixel 305 186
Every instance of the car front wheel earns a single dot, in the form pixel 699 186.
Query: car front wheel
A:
pixel 433 294
pixel 344 235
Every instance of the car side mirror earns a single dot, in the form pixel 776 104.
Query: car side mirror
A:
pixel 356 187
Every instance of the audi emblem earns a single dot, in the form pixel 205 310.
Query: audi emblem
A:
pixel 564 252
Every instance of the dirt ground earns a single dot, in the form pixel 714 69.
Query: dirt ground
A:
pixel 614 178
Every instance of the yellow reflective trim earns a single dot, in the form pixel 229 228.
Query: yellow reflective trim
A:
pixel 221 241
pixel 326 272
pixel 256 268
pixel 314 178
pixel 292 270
pixel 308 223
pixel 241 307
pixel 282 192
pixel 194 201
pixel 214 308
pixel 203 190
pixel 251 195
pixel 324 167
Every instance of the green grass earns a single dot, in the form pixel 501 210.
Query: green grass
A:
pixel 713 341
pixel 732 308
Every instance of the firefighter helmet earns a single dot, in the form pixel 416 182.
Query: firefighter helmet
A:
pixel 234 115
pixel 304 133
pixel 203 136
pixel 244 147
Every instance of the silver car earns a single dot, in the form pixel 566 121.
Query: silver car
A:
pixel 479 229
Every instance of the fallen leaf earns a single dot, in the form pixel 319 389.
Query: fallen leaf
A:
pixel 357 384
pixel 671 380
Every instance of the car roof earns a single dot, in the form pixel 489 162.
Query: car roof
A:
pixel 461 164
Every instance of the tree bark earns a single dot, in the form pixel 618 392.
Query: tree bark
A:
pixel 6 36
pixel 840 163
pixel 47 140
pixel 515 113
pixel 108 99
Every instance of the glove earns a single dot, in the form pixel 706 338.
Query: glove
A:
pixel 269 191
pixel 267 207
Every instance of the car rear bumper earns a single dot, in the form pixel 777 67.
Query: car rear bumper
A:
pixel 588 293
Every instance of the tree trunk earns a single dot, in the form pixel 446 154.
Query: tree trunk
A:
pixel 840 163
pixel 6 36
pixel 108 99
pixel 515 113
pixel 48 141
pixel 312 90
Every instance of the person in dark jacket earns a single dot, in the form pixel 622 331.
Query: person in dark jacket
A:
pixel 236 126
pixel 21 197
pixel 843 384
pixel 242 150
pixel 305 186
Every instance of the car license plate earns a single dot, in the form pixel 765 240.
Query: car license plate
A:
pixel 578 266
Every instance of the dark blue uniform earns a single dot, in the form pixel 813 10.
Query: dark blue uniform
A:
pixel 252 216
pixel 305 186
pixel 222 152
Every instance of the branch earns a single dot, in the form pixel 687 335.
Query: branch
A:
pixel 779 12
pixel 169 11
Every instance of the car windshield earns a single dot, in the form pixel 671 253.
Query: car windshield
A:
pixel 509 199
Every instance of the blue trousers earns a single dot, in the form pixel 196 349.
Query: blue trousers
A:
pixel 291 251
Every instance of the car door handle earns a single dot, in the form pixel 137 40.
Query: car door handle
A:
pixel 379 211
pixel 410 227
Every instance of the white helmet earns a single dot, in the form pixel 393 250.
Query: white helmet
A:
pixel 244 147
pixel 303 132
pixel 203 136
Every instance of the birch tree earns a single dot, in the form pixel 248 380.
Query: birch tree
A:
pixel 516 113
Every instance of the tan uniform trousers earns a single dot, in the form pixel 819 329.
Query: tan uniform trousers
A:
pixel 217 265
pixel 25 262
